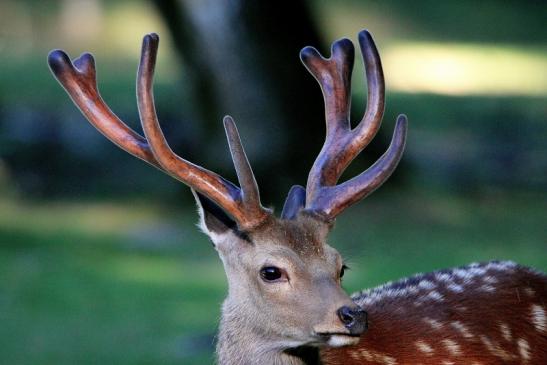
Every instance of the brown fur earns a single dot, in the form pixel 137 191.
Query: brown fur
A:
pixel 485 326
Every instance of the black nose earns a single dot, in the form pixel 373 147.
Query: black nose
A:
pixel 354 319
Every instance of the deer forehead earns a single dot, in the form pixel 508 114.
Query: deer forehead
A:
pixel 304 238
pixel 297 245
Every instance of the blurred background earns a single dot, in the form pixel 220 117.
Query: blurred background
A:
pixel 100 261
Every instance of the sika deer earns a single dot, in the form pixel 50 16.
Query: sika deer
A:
pixel 285 304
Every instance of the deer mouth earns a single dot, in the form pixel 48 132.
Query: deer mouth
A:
pixel 338 339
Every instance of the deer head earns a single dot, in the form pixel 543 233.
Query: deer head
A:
pixel 284 279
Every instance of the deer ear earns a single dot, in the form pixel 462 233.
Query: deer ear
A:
pixel 296 200
pixel 213 220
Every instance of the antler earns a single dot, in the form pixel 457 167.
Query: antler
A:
pixel 342 143
pixel 79 80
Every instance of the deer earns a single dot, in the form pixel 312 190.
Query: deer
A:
pixel 285 303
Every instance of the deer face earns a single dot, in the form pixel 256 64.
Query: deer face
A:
pixel 284 280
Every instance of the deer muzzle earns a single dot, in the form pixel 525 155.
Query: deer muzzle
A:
pixel 354 319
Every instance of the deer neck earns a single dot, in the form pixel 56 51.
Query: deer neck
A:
pixel 240 341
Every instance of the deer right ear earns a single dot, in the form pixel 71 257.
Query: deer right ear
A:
pixel 295 202
pixel 213 220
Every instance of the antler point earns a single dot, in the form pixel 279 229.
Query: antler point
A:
pixel 402 121
pixel 364 35
pixel 343 44
pixel 85 62
pixel 307 53
pixel 229 125
pixel 151 38
pixel 58 61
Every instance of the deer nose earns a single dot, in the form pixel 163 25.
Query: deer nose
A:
pixel 354 319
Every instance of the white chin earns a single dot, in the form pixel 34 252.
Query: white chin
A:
pixel 341 340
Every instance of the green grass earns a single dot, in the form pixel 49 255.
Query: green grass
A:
pixel 70 296
pixel 91 283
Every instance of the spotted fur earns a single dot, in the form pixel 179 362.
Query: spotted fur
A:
pixel 481 314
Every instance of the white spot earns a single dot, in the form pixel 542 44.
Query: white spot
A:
pixel 377 357
pixel 477 271
pixel 462 329
pixel 501 266
pixel 538 318
pixel 435 295
pixel 490 279
pixel 426 284
pixel 424 347
pixel 487 288
pixel 443 277
pixel 433 323
pixel 524 349
pixel 452 347
pixel 506 331
pixel 456 288
pixel 461 273
pixel 367 355
pixel 412 290
pixel 446 362
pixel 495 349
pixel 530 292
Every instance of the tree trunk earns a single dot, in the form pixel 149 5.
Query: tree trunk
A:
pixel 241 58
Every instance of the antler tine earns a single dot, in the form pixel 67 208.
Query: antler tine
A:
pixel 342 143
pixel 331 201
pixel 370 124
pixel 243 204
pixel 249 188
pixel 79 81
pixel 334 77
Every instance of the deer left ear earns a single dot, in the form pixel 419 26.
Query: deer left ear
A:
pixel 213 220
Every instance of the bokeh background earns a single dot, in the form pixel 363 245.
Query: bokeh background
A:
pixel 100 261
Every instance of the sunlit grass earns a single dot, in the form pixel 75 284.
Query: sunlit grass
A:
pixel 458 69
pixel 82 217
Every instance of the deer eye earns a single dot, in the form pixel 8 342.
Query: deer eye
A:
pixel 271 273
